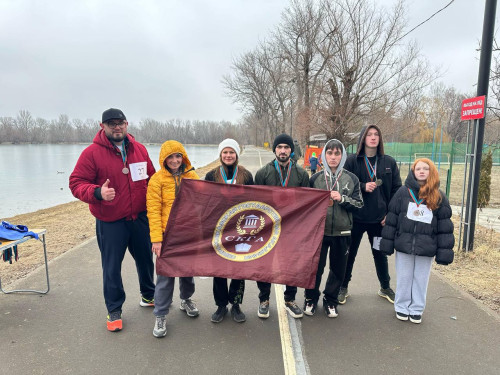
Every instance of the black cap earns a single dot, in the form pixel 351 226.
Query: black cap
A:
pixel 285 139
pixel 111 114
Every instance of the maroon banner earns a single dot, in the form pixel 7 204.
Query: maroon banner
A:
pixel 262 233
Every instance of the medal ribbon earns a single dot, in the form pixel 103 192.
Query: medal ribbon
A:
pixel 326 180
pixel 372 170
pixel 223 174
pixel 284 182
pixel 124 154
pixel 417 202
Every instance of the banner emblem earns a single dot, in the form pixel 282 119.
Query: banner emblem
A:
pixel 247 231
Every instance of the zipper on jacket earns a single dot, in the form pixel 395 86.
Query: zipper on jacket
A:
pixel 413 241
pixel 333 221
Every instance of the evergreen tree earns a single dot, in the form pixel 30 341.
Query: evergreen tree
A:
pixel 483 197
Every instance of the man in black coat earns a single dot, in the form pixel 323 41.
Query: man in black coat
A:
pixel 379 180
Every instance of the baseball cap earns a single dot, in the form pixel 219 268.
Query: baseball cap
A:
pixel 111 114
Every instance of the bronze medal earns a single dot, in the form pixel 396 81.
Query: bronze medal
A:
pixel 378 182
pixel 125 170
pixel 330 203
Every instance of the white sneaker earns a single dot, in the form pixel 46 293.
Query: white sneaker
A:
pixel 160 329
pixel 331 311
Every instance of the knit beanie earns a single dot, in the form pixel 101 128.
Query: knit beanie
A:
pixel 228 142
pixel 285 139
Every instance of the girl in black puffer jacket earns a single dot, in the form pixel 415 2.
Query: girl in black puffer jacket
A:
pixel 419 227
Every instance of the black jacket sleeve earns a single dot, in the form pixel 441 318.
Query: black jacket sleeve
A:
pixel 396 178
pixel 354 201
pixel 248 178
pixel 210 176
pixel 445 237
pixel 391 224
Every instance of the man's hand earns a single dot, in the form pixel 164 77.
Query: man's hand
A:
pixel 383 221
pixel 370 186
pixel 156 248
pixel 107 193
pixel 335 195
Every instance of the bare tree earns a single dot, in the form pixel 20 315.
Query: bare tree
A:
pixel 24 125
pixel 339 62
pixel 372 69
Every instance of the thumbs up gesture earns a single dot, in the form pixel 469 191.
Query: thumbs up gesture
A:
pixel 107 193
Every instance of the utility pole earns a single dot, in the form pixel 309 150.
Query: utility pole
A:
pixel 482 89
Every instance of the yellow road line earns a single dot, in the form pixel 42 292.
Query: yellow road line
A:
pixel 286 338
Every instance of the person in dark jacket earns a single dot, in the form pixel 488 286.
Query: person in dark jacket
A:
pixel 229 172
pixel 313 162
pixel 112 176
pixel 419 227
pixel 379 180
pixel 345 197
pixel 283 172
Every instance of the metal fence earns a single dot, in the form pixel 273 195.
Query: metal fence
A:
pixel 443 155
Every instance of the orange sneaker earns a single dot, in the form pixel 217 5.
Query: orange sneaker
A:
pixel 114 321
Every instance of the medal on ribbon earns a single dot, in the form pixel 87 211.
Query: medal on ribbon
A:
pixel 332 183
pixel 372 171
pixel 283 179
pixel 223 174
pixel 125 170
pixel 417 202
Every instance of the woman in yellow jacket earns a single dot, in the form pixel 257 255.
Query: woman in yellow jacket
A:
pixel 162 189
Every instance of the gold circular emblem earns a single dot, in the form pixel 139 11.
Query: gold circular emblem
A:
pixel 247 231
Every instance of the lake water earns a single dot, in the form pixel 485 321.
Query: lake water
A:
pixel 33 177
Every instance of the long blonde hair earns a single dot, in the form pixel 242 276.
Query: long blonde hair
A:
pixel 430 190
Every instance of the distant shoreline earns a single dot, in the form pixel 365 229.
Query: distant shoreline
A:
pixel 88 143
pixel 201 171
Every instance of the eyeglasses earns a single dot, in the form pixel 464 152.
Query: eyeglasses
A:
pixel 113 125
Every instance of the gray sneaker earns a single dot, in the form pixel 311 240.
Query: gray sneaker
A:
pixel 189 307
pixel 263 311
pixel 160 329
pixel 388 294
pixel 293 309
pixel 237 314
pixel 343 294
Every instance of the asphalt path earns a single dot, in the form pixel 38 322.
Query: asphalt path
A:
pixel 64 332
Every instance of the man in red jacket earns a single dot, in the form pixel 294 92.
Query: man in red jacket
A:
pixel 112 176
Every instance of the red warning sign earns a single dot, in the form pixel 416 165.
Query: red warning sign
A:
pixel 473 108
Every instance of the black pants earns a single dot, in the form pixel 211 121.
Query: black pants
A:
pixel 113 239
pixel 265 292
pixel 339 247
pixel 223 295
pixel 380 259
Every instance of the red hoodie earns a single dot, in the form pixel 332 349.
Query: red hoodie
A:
pixel 101 161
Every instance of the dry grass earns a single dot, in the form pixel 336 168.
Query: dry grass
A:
pixel 477 272
pixel 67 226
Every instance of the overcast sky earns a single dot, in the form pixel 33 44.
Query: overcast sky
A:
pixel 165 59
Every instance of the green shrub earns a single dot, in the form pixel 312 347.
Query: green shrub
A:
pixel 483 196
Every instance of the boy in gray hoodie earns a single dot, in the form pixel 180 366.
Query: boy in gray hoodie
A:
pixel 345 197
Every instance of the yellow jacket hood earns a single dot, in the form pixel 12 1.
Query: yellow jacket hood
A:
pixel 173 147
